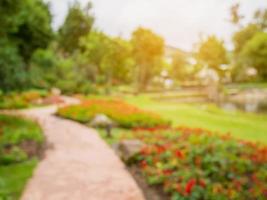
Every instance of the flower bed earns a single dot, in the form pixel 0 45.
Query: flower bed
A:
pixel 27 99
pixel 16 100
pixel 125 115
pixel 200 165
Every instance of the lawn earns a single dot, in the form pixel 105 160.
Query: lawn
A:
pixel 14 177
pixel 241 125
pixel 249 85
pixel 17 160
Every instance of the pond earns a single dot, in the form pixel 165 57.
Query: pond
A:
pixel 252 100
pixel 255 106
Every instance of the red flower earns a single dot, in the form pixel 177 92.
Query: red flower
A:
pixel 160 149
pixel 167 172
pixel 145 151
pixel 202 183
pixel 143 164
pixel 189 186
pixel 179 154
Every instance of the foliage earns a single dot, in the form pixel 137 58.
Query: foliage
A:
pixel 211 52
pixel 15 130
pixel 254 53
pixel 105 59
pixel 260 18
pixel 197 164
pixel 236 17
pixel 48 65
pixel 16 100
pixel 16 165
pixel 78 23
pixel 147 52
pixel 245 33
pixel 26 27
pixel 179 66
pixel 12 74
pixel 241 37
pixel 125 115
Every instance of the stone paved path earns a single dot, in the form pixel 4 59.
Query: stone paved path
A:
pixel 78 166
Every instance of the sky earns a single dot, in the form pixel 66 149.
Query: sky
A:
pixel 179 22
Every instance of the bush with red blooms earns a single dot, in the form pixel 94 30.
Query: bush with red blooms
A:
pixel 196 164
pixel 125 115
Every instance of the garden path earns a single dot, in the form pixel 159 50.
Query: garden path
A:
pixel 79 165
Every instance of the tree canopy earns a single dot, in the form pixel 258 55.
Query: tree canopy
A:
pixel 148 49
pixel 179 64
pixel 254 53
pixel 26 27
pixel 78 23
pixel 211 52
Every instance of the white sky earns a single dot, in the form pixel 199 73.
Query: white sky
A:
pixel 179 21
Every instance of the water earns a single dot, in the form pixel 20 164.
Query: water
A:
pixel 252 100
pixel 256 107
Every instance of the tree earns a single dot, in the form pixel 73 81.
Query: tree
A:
pixel 25 27
pixel 105 58
pixel 49 68
pixel 179 64
pixel 12 73
pixel 148 49
pixel 35 31
pixel 212 53
pixel 118 61
pixel 241 37
pixel 254 54
pixel 78 23
pixel 236 17
pixel 260 18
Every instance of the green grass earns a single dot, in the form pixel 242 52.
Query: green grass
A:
pixel 251 85
pixel 16 168
pixel 16 129
pixel 241 125
pixel 13 179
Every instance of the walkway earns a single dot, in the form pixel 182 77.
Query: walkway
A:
pixel 78 166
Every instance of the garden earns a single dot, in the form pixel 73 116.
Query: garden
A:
pixel 21 144
pixel 187 117
pixel 183 163
pixel 192 163
pixel 28 99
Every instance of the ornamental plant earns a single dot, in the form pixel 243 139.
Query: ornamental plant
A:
pixel 192 163
pixel 17 100
pixel 125 115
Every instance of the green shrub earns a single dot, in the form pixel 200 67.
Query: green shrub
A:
pixel 14 156
pixel 14 131
pixel 16 166
pixel 17 100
